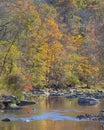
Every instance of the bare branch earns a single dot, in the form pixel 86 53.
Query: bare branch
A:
pixel 4 61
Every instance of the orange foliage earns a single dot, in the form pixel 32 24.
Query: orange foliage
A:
pixel 28 85
pixel 53 30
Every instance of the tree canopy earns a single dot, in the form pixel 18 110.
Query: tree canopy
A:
pixel 51 43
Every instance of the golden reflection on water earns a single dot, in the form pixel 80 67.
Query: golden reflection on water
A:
pixel 45 105
pixel 51 125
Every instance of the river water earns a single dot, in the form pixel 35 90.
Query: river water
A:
pixel 51 113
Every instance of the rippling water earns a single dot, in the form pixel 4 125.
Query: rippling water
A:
pixel 51 113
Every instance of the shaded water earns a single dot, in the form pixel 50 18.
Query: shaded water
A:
pixel 51 113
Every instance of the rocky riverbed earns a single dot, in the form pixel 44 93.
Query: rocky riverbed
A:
pixel 12 102
pixel 65 111
pixel 93 117
pixel 84 98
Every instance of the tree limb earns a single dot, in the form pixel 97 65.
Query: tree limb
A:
pixel 4 61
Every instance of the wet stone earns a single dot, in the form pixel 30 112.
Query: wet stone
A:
pixel 87 101
pixel 6 120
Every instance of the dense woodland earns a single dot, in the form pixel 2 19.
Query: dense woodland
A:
pixel 51 43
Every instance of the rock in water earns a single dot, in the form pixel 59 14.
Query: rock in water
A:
pixel 25 102
pixel 6 120
pixel 87 101
pixel 14 107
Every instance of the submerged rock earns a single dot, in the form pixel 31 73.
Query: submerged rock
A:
pixel 23 103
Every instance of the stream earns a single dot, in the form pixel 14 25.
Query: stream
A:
pixel 51 113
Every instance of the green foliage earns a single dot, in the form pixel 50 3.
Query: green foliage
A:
pixel 81 3
pixel 2 83
pixel 14 83
pixel 71 79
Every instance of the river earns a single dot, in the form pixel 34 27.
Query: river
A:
pixel 51 113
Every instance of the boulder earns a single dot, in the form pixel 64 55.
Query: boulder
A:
pixel 7 100
pixel 94 117
pixel 14 107
pixel 87 101
pixel 6 120
pixel 11 102
pixel 72 96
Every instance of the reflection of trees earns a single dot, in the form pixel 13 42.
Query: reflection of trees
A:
pixel 91 125
pixel 54 102
pixel 8 126
pixel 47 104
pixel 51 125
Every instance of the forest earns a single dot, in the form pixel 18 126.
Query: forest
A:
pixel 51 43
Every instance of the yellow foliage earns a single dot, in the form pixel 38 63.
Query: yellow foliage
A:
pixel 14 52
pixel 73 48
pixel 81 59
pixel 77 40
pixel 53 29
pixel 57 47
pixel 19 2
pixel 16 69
pixel 69 56
pixel 73 43
pixel 26 14
pixel 87 69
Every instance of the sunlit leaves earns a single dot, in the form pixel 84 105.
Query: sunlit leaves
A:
pixel 45 11
pixel 54 45
pixel 52 29
pixel 26 15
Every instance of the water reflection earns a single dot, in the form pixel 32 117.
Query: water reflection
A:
pixel 51 125
pixel 54 115
pixel 51 114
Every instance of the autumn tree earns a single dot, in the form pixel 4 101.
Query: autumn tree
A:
pixel 55 43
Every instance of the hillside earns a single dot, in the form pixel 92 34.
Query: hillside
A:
pixel 51 43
